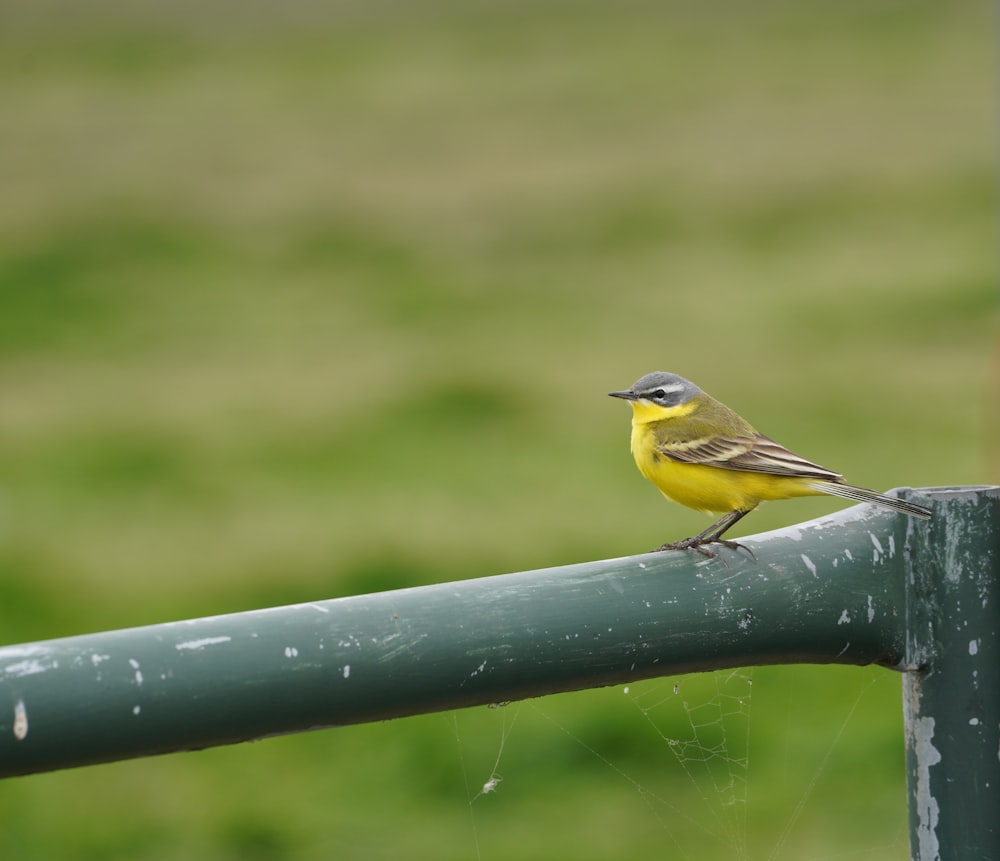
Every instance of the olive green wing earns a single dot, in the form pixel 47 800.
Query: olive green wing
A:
pixel 752 453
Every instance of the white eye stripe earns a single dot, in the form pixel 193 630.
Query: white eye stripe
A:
pixel 670 388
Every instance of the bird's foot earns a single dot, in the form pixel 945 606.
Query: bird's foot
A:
pixel 700 545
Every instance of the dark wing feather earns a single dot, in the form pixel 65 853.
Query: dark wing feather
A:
pixel 755 453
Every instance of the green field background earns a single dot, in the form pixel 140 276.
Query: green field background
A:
pixel 303 300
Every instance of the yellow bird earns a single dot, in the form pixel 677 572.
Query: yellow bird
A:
pixel 702 454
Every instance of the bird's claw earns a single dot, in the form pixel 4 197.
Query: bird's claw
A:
pixel 701 546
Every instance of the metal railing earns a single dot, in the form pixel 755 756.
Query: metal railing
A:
pixel 865 586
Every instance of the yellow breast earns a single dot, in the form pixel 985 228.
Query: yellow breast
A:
pixel 708 488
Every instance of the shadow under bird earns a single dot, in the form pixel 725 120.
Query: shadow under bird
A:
pixel 702 454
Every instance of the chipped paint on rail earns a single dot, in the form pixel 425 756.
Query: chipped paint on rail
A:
pixel 879 551
pixel 926 807
pixel 20 720
pixel 30 667
pixel 200 644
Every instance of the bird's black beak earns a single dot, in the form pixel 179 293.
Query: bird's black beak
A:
pixel 625 396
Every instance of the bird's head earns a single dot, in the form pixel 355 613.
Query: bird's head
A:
pixel 659 395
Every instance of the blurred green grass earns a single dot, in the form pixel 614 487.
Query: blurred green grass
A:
pixel 302 301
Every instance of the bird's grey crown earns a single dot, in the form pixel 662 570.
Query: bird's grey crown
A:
pixel 671 384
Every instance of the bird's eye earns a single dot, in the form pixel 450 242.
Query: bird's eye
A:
pixel 659 395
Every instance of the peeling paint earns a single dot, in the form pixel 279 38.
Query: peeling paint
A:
pixel 30 667
pixel 924 804
pixel 200 644
pixel 24 651
pixel 809 564
pixel 973 647
pixel 347 671
pixel 871 610
pixel 845 618
pixel 879 552
pixel 20 720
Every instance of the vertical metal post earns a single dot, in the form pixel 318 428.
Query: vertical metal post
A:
pixel 951 692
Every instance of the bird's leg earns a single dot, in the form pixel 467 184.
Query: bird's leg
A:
pixel 712 535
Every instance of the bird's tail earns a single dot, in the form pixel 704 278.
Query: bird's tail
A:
pixel 861 494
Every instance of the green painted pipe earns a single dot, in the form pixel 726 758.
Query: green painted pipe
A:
pixel 828 591
pixel 863 586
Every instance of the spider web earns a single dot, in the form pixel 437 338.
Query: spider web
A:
pixel 713 747
pixel 694 733
pixel 704 723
